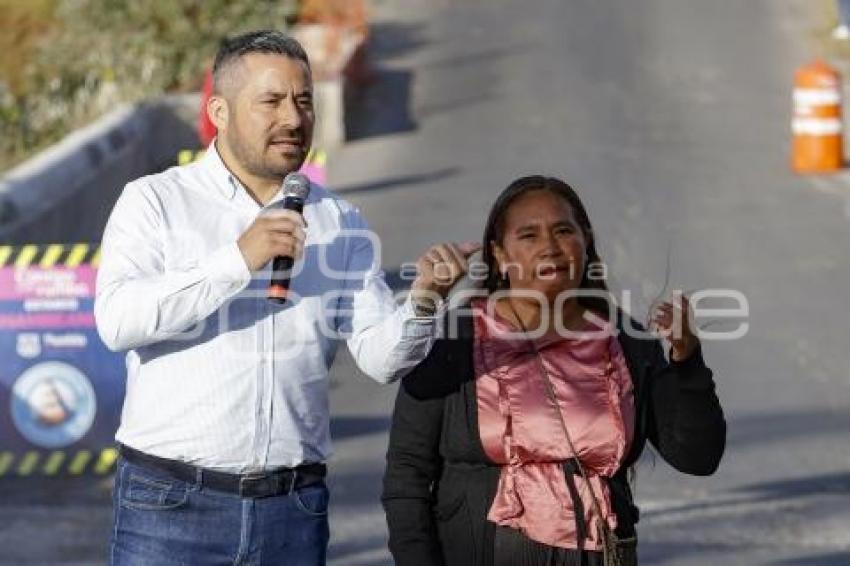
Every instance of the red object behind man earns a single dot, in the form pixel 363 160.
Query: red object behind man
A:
pixel 206 129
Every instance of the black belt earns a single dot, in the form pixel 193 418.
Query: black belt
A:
pixel 254 485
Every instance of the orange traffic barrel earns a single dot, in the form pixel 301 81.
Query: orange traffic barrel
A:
pixel 816 127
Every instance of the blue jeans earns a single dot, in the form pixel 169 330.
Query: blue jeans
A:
pixel 162 521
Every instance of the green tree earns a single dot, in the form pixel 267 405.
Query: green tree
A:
pixel 105 52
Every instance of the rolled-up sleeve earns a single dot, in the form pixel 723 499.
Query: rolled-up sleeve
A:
pixel 386 339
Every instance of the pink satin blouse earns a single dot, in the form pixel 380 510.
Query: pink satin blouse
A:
pixel 520 428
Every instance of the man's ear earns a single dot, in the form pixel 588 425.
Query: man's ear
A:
pixel 218 112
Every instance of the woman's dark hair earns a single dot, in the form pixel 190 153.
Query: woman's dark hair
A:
pixel 494 231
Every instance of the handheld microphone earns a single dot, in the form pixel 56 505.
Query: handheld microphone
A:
pixel 296 188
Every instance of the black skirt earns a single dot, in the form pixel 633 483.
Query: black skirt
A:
pixel 512 548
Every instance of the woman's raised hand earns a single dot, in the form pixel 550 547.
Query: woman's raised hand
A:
pixel 673 320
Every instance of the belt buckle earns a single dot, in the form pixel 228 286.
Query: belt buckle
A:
pixel 257 485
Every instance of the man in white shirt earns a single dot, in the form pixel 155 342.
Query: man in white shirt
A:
pixel 225 426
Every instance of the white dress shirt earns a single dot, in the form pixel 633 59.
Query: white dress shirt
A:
pixel 217 375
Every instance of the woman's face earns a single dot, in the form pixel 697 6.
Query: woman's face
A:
pixel 543 248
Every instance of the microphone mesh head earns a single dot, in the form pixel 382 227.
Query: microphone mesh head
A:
pixel 296 185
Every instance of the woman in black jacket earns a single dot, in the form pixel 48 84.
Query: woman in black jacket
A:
pixel 511 441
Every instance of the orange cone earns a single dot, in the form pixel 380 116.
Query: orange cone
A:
pixel 816 126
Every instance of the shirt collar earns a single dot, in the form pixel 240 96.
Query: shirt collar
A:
pixel 226 182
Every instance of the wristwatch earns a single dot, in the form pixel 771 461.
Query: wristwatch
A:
pixel 423 309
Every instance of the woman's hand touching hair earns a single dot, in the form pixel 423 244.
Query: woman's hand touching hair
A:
pixel 673 320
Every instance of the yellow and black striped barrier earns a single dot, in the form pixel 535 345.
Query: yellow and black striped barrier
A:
pixel 58 462
pixel 50 255
pixel 80 368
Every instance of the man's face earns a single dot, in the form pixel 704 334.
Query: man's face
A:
pixel 270 114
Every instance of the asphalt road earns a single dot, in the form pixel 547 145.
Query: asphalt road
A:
pixel 670 117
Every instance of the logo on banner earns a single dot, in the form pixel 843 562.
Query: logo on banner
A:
pixel 53 404
pixel 28 345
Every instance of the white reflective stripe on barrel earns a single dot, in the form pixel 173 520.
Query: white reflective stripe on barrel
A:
pixel 817 96
pixel 816 126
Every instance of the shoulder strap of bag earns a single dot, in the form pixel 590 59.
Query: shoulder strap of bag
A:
pixel 607 537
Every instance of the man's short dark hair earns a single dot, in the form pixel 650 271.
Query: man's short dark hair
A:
pixel 262 41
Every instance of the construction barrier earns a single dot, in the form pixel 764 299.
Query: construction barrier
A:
pixel 816 127
pixel 61 389
pixel 57 463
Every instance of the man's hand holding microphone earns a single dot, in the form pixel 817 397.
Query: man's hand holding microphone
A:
pixel 278 235
pixel 274 233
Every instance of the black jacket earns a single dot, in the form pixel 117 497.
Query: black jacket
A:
pixel 439 483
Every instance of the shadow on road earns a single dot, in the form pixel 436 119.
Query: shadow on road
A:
pixel 837 484
pixel 831 559
pixel 667 552
pixel 782 426
pixel 399 182
pixel 349 427
pixel 381 104
pixel 57 520
pixel 55 491
pixel 380 107
pixel 358 528
pixel 388 40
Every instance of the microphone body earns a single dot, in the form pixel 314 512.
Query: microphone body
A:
pixel 296 188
